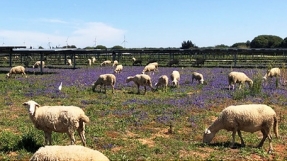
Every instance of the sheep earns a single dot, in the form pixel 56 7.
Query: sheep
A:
pixel 71 153
pixel 198 77
pixel 238 77
pixel 105 80
pixel 118 69
pixel 175 77
pixel 141 80
pixel 172 62
pixel 155 64
pixel 38 64
pixel 273 72
pixel 106 62
pixel 115 63
pixel 149 68
pixel 69 61
pixel 93 59
pixel 248 118
pixel 90 62
pixel 162 81
pixel 62 119
pixel 16 70
pixel 136 62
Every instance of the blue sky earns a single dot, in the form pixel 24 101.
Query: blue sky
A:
pixel 141 23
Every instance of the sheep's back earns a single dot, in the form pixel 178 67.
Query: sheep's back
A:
pixel 248 118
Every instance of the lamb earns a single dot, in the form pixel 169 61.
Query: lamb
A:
pixel 198 77
pixel 118 69
pixel 162 81
pixel 141 80
pixel 136 62
pixel 105 80
pixel 149 68
pixel 248 118
pixel 38 64
pixel 107 62
pixel 175 77
pixel 115 63
pixel 62 119
pixel 16 70
pixel 93 59
pixel 238 77
pixel 69 61
pixel 273 72
pixel 71 153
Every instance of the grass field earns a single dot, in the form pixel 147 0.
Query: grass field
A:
pixel 128 126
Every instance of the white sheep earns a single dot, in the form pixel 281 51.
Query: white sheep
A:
pixel 93 59
pixel 175 78
pixel 38 64
pixel 149 68
pixel 162 81
pixel 198 77
pixel 115 63
pixel 62 119
pixel 248 118
pixel 119 68
pixel 71 153
pixel 69 61
pixel 106 62
pixel 16 70
pixel 90 62
pixel 238 77
pixel 273 72
pixel 140 80
pixel 105 80
pixel 155 64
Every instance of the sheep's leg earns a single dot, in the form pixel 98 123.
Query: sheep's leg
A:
pixel 113 88
pixel 105 88
pixel 72 137
pixel 138 89
pixel 144 89
pixel 81 131
pixel 233 138
pixel 241 138
pixel 48 138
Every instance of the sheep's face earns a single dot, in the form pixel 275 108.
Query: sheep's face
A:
pixel 208 136
pixel 128 79
pixel 31 105
pixel 8 75
pixel 174 83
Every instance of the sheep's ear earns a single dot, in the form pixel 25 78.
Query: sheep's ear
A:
pixel 207 131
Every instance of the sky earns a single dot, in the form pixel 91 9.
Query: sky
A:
pixel 138 23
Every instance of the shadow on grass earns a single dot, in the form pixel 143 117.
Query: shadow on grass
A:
pixel 29 144
pixel 223 144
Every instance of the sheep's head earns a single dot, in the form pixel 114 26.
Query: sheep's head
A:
pixel 31 105
pixel 250 83
pixel 8 75
pixel 174 83
pixel 208 136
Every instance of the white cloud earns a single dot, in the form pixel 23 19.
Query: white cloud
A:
pixel 82 36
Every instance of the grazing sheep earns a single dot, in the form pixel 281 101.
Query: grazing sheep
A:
pixel 71 153
pixel 90 62
pixel 140 80
pixel 149 68
pixel 273 72
pixel 136 62
pixel 238 77
pixel 16 70
pixel 38 64
pixel 62 119
pixel 162 81
pixel 248 118
pixel 118 69
pixel 107 62
pixel 198 77
pixel 69 61
pixel 173 62
pixel 155 64
pixel 175 77
pixel 115 63
pixel 105 80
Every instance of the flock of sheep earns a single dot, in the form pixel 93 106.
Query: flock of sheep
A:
pixel 68 119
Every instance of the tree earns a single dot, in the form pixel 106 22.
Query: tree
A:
pixel 187 45
pixel 100 47
pixel 221 46
pixel 266 41
pixel 241 45
pixel 284 43
pixel 117 47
